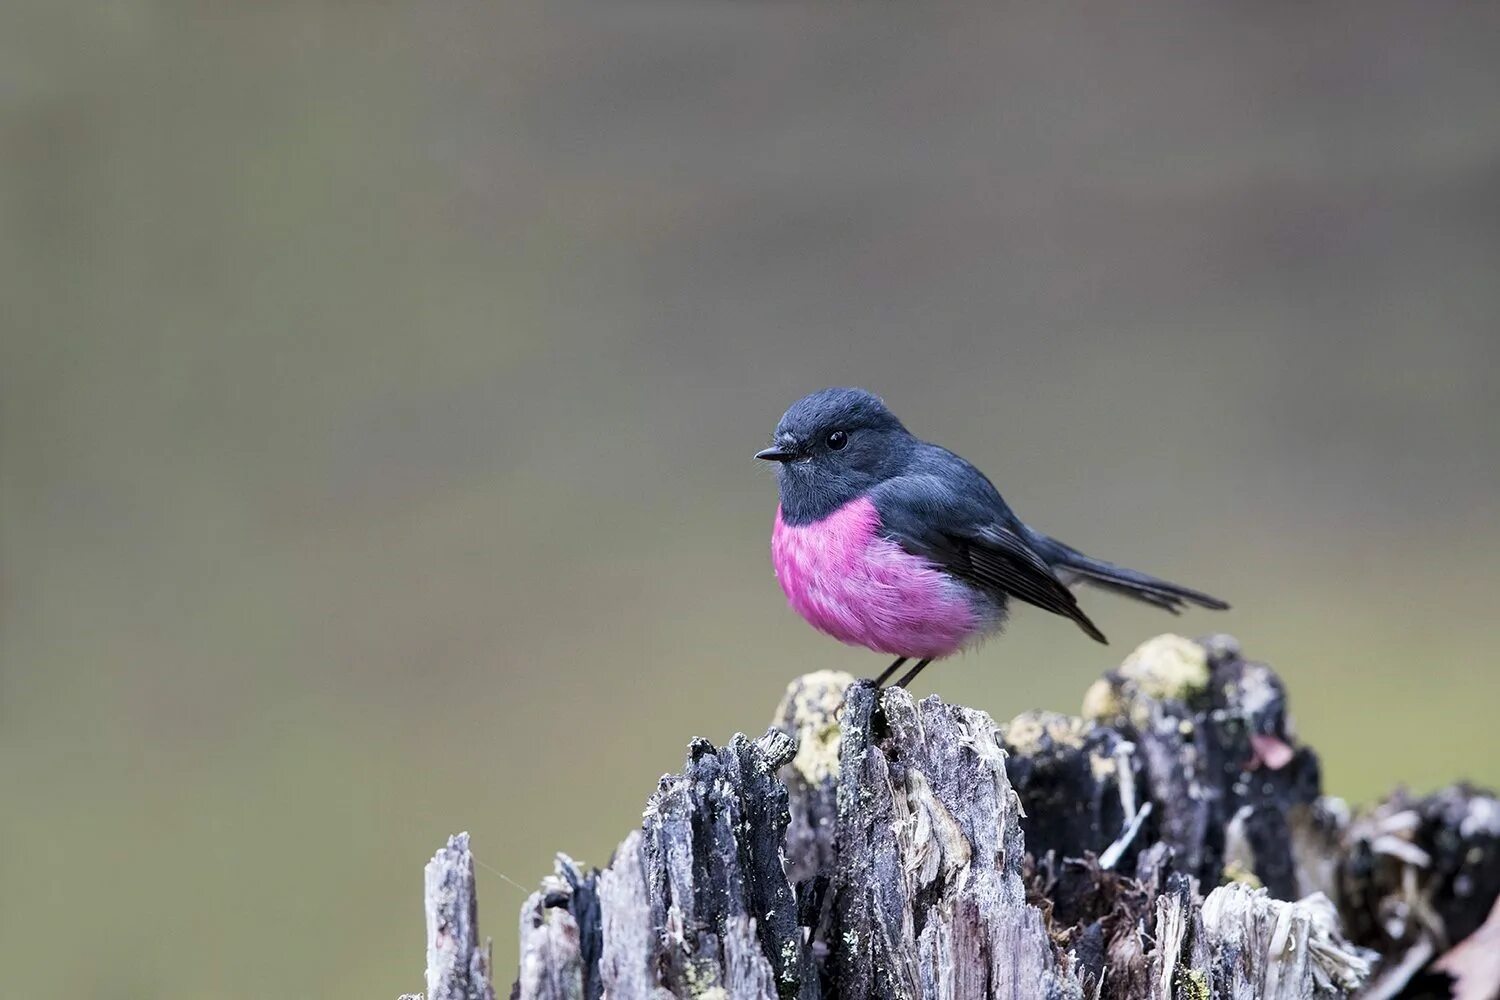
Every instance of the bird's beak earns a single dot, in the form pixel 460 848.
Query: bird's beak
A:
pixel 776 453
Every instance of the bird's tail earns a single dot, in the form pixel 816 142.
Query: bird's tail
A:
pixel 1072 566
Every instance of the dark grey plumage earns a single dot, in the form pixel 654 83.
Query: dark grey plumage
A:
pixel 836 445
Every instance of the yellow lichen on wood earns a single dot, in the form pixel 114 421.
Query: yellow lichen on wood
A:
pixel 1236 871
pixel 1168 666
pixel 1101 703
pixel 811 705
pixel 1194 985
pixel 1027 731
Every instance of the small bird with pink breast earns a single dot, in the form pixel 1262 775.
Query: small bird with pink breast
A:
pixel 885 541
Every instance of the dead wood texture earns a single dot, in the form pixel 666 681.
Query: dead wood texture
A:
pixel 1171 842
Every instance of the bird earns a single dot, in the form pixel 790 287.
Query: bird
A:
pixel 886 541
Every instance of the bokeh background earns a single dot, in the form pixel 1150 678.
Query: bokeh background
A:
pixel 380 383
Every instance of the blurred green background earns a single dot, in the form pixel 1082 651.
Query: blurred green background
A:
pixel 380 383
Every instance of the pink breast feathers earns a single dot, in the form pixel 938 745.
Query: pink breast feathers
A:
pixel 861 588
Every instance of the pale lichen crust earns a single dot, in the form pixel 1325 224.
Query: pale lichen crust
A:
pixel 811 707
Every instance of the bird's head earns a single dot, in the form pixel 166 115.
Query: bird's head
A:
pixel 833 446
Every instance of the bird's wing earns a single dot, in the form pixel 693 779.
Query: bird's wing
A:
pixel 966 535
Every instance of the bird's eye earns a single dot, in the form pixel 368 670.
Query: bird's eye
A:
pixel 837 440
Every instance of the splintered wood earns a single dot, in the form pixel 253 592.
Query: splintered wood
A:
pixel 1169 843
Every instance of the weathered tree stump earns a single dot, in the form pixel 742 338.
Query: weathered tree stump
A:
pixel 1172 843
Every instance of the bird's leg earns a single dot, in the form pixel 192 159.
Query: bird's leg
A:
pixel 911 674
pixel 885 674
